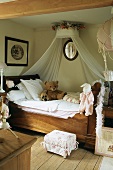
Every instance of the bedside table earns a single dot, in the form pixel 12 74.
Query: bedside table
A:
pixel 108 116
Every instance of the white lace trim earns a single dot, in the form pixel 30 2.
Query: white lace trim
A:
pixel 99 108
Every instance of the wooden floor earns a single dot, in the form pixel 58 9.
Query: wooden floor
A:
pixel 80 159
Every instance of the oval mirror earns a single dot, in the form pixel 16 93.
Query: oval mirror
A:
pixel 69 50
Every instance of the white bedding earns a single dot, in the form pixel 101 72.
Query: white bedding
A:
pixel 49 106
pixel 57 108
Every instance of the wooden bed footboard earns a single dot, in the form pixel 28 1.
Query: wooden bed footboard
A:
pixel 82 126
pixel 45 123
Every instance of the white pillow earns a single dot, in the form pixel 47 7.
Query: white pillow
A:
pixel 35 87
pixel 38 81
pixel 14 95
pixel 25 91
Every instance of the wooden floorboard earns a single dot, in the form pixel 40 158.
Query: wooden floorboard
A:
pixel 80 159
pixel 98 163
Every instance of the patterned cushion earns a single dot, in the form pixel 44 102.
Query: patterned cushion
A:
pixel 72 97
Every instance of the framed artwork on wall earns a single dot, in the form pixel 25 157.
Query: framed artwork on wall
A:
pixel 104 144
pixel 16 52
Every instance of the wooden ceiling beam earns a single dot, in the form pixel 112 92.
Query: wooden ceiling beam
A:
pixel 37 7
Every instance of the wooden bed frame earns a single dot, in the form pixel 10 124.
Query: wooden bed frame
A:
pixel 81 125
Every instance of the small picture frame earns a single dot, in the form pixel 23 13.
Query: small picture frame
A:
pixel 16 52
pixel 104 144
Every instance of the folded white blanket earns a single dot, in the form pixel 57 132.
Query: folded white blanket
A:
pixel 49 106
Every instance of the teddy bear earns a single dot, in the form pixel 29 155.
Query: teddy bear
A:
pixel 86 100
pixel 51 91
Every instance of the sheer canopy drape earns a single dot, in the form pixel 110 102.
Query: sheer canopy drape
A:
pixel 48 65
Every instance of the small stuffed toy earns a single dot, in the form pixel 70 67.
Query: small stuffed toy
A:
pixel 51 91
pixel 86 100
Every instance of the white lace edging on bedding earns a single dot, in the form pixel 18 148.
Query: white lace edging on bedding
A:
pixel 99 108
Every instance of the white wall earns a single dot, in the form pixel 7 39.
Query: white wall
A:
pixel 89 37
pixel 43 39
pixel 11 29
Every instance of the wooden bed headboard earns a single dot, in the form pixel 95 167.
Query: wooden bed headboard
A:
pixel 16 79
pixel 95 90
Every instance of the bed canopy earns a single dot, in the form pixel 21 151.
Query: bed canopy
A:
pixel 48 65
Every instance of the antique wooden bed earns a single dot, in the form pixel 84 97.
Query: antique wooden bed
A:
pixel 81 125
